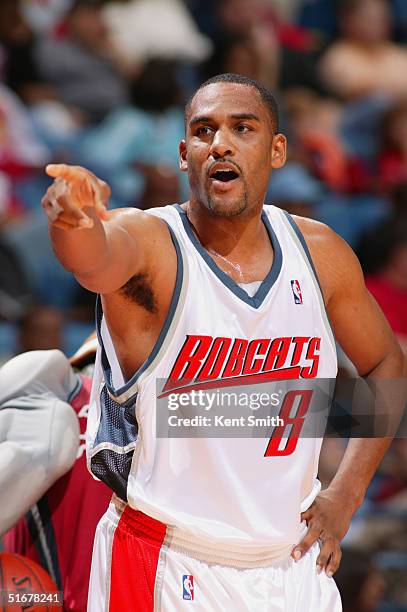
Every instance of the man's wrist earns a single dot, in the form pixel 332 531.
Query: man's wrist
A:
pixel 347 494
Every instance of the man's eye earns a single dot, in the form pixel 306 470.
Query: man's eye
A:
pixel 242 129
pixel 203 130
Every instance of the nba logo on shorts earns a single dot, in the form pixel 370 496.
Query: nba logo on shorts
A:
pixel 296 289
pixel 188 587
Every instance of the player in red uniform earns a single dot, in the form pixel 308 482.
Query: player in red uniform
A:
pixel 57 530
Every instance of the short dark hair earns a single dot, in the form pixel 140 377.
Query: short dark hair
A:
pixel 266 95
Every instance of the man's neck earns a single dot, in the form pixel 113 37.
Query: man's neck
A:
pixel 239 245
pixel 239 234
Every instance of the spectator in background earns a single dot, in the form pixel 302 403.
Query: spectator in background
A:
pixel 400 20
pixel 22 154
pixel 317 144
pixel 287 9
pixel 319 16
pixel 15 289
pixel 45 15
pixel 41 328
pixel 142 29
pixel 399 199
pixel 17 65
pixel 252 39
pixel 241 54
pixel 161 184
pixel 360 582
pixel 79 64
pixel 253 22
pixel 364 61
pixel 383 255
pixel 136 147
pixel 295 190
pixel 393 154
pixel 20 147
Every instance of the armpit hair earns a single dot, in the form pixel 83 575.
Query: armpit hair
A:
pixel 138 290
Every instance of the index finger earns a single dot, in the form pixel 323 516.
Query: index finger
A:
pixel 312 535
pixel 69 173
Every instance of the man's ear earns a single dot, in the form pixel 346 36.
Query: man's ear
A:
pixel 278 151
pixel 183 164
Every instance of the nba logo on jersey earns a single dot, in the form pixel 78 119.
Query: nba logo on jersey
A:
pixel 297 293
pixel 188 587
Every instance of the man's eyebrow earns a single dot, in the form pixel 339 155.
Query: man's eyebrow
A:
pixel 199 119
pixel 245 116
pixel 238 116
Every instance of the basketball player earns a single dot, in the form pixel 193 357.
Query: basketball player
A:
pixel 219 287
pixel 44 480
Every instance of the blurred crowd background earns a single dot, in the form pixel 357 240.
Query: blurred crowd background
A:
pixel 103 84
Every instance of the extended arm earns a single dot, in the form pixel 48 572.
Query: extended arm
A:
pixel 102 249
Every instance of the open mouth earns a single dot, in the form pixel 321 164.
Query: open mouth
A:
pixel 224 176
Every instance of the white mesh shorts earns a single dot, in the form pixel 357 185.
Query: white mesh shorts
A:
pixel 141 565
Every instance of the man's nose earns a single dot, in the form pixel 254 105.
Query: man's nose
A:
pixel 221 145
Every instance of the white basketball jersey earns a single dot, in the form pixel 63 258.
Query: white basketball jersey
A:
pixel 242 490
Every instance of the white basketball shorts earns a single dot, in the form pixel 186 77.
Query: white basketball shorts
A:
pixel 137 567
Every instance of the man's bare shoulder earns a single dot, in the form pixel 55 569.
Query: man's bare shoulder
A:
pixel 136 220
pixel 317 235
pixel 140 242
pixel 335 262
pixel 148 231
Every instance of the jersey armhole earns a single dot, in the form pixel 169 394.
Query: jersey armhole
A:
pixel 128 391
pixel 305 250
pixel 302 246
